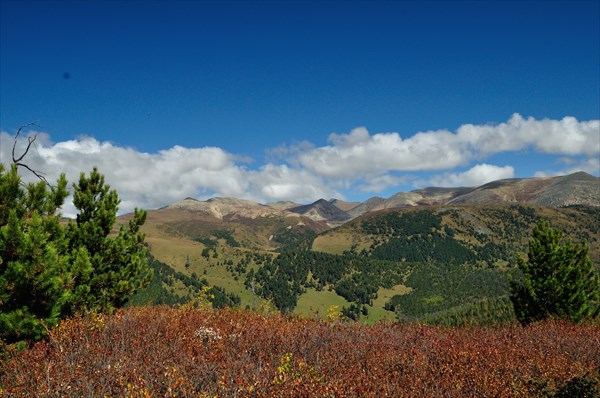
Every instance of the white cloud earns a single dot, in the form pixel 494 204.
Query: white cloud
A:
pixel 281 182
pixel 302 172
pixel 288 153
pixel 566 160
pixel 567 136
pixel 380 183
pixel 591 166
pixel 154 180
pixel 359 154
pixel 475 176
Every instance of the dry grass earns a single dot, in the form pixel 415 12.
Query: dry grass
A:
pixel 314 303
pixel 339 241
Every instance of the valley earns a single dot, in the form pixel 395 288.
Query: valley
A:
pixel 442 255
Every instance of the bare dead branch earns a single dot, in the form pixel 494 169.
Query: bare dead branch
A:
pixel 30 141
pixel 36 173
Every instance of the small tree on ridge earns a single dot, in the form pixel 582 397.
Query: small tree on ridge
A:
pixel 558 279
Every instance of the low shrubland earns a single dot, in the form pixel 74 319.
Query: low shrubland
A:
pixel 204 352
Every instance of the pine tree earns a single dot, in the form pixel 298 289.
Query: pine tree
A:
pixel 558 279
pixel 118 262
pixel 33 284
pixel 49 270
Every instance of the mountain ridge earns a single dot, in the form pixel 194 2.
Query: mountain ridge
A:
pixel 232 242
pixel 322 210
pixel 578 188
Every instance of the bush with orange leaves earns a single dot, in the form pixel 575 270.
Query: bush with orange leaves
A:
pixel 163 352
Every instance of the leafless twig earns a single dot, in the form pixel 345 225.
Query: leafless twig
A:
pixel 30 141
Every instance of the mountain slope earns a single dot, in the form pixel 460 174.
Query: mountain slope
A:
pixel 430 263
pixel 575 189
pixel 422 254
pixel 502 225
pixel 322 210
pixel 367 206
pixel 344 206
pixel 229 208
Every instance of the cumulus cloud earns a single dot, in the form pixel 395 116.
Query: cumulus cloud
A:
pixel 475 176
pixel 381 183
pixel 566 160
pixel 567 136
pixel 591 166
pixel 288 153
pixel 153 180
pixel 359 153
pixel 281 182
pixel 302 172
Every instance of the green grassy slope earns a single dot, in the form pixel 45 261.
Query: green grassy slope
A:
pixel 427 263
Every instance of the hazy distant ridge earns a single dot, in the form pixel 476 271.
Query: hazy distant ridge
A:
pixel 575 189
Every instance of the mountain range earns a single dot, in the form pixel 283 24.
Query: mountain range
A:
pixel 574 189
pixel 231 243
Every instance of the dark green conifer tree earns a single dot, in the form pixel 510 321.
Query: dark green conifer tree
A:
pixel 558 279
pixel 118 261
pixel 33 281
pixel 49 270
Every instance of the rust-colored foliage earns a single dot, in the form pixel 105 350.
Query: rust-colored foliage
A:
pixel 162 351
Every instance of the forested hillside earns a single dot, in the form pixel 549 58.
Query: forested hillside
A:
pixel 450 265
pixel 438 264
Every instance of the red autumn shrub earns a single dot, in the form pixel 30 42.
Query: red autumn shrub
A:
pixel 162 351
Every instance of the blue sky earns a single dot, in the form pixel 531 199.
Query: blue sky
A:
pixel 300 100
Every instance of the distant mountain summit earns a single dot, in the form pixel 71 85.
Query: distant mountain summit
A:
pixel 228 208
pixel 344 206
pixel 367 206
pixel 574 189
pixel 322 210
